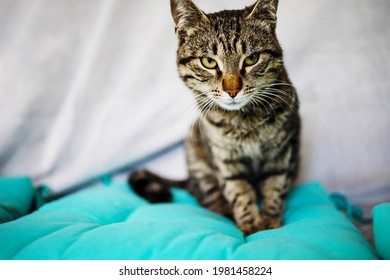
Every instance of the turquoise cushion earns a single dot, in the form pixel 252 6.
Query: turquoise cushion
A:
pixel 113 223
pixel 16 198
pixel 381 214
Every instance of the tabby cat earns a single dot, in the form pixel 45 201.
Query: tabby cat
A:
pixel 246 141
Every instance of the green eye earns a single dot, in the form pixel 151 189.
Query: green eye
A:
pixel 251 60
pixel 208 62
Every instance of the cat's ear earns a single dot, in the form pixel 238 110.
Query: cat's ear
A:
pixel 186 14
pixel 263 10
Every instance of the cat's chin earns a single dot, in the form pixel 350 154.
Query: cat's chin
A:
pixel 232 106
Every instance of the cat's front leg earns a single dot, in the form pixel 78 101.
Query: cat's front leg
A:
pixel 236 177
pixel 275 189
pixel 242 198
pixel 203 183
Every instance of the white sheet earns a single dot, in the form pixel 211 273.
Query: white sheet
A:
pixel 90 86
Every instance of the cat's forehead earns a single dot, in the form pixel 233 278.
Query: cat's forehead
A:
pixel 226 21
pixel 229 33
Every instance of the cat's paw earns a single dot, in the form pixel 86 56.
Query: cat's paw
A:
pixel 145 185
pixel 250 228
pixel 266 223
pixel 272 223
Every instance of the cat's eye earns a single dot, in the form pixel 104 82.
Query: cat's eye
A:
pixel 251 60
pixel 208 62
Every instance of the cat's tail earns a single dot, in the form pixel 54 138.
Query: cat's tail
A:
pixel 153 187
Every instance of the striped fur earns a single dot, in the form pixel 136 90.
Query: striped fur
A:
pixel 246 141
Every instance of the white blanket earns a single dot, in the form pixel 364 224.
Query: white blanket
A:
pixel 87 87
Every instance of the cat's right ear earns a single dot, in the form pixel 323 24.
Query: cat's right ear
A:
pixel 263 10
pixel 186 14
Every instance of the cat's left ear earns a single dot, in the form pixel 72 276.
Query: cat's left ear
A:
pixel 263 10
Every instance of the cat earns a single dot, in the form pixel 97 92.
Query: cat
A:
pixel 245 144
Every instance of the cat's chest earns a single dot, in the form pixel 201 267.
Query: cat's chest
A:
pixel 258 145
pixel 254 141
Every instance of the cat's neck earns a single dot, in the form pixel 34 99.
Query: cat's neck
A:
pixel 237 118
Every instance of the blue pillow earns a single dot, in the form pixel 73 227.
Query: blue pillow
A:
pixel 16 198
pixel 381 214
pixel 112 222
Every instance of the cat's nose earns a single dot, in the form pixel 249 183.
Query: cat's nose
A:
pixel 232 92
pixel 232 85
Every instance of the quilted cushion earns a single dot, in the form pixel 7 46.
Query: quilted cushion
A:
pixel 112 222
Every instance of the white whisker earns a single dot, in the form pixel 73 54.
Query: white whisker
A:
pixel 259 100
pixel 273 97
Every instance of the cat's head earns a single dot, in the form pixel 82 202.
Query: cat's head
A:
pixel 227 58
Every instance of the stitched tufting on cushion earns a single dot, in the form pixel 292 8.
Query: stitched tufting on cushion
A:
pixel 114 223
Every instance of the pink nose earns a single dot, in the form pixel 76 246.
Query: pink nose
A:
pixel 232 85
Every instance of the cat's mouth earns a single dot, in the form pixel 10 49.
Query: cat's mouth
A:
pixel 232 104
